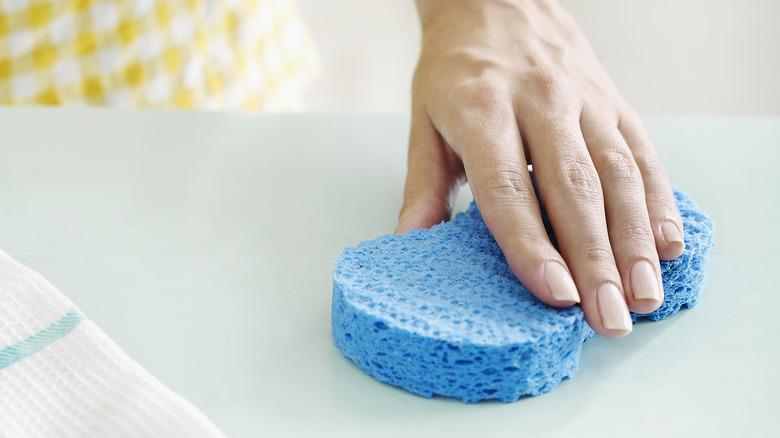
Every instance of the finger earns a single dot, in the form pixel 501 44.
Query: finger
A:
pixel 433 177
pixel 628 223
pixel 571 192
pixel 495 166
pixel 665 218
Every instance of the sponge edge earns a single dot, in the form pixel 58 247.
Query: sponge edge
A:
pixel 439 311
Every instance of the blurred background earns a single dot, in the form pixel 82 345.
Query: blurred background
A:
pixel 665 56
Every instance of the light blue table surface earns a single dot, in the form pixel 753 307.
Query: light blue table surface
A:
pixel 203 244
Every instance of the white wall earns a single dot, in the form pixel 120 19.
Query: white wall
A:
pixel 666 56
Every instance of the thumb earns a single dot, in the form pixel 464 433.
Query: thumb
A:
pixel 433 177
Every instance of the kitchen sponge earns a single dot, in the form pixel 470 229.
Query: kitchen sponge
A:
pixel 439 311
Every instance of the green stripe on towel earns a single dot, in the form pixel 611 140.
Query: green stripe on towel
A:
pixel 37 342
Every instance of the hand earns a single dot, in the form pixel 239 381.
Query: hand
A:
pixel 501 84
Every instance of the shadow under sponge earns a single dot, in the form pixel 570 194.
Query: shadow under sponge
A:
pixel 439 311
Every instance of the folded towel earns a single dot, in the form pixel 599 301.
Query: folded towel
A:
pixel 61 375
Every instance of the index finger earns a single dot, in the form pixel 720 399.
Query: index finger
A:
pixel 490 146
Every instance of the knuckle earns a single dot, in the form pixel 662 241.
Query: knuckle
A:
pixel 652 171
pixel 618 165
pixel 532 247
pixel 478 95
pixel 509 180
pixel 547 85
pixel 509 184
pixel 635 233
pixel 578 176
pixel 544 79
pixel 660 204
pixel 597 253
pixel 649 166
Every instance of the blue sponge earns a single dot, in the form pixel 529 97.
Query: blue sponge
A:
pixel 439 311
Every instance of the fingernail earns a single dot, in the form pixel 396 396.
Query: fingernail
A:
pixel 671 233
pixel 644 284
pixel 559 282
pixel 612 307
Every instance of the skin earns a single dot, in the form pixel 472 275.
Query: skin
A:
pixel 503 84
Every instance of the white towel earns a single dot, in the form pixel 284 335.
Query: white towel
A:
pixel 61 375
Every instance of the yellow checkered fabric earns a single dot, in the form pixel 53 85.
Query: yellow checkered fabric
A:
pixel 209 54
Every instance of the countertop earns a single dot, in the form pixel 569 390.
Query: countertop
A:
pixel 203 244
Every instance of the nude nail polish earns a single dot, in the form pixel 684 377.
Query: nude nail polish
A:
pixel 644 283
pixel 612 308
pixel 560 283
pixel 670 233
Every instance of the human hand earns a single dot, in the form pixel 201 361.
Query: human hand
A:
pixel 501 84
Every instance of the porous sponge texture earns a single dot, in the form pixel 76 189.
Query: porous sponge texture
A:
pixel 439 311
